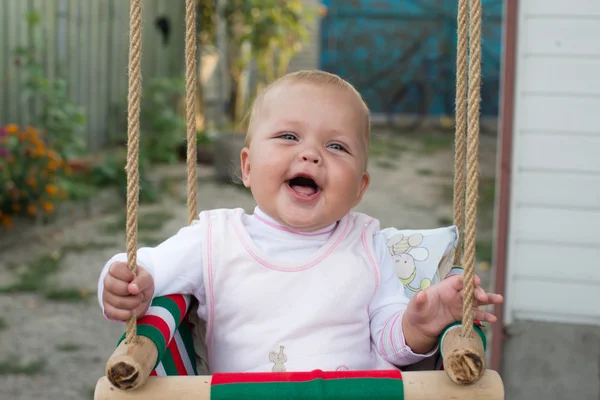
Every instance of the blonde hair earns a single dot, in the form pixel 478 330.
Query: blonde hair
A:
pixel 316 77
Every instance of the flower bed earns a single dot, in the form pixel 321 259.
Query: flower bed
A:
pixel 30 174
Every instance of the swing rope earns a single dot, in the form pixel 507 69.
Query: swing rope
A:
pixel 190 92
pixel 133 145
pixel 133 131
pixel 466 183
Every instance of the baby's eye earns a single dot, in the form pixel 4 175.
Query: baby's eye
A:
pixel 287 136
pixel 337 146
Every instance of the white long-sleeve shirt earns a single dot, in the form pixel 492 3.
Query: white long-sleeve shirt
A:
pixel 177 267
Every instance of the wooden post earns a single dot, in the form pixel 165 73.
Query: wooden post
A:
pixel 423 385
pixel 130 364
pixel 464 357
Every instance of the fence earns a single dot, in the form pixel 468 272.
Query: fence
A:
pixel 86 43
pixel 401 55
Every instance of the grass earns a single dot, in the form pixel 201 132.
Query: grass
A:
pixel 385 164
pixel 445 221
pixel 33 277
pixel 430 143
pixel 69 294
pixel 68 347
pixel 148 221
pixel 387 147
pixel 484 250
pixel 485 214
pixel 13 366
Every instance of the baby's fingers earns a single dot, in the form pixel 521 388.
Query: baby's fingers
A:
pixel 484 315
pixel 122 302
pixel 484 298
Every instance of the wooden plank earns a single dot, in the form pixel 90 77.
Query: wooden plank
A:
pixel 161 54
pixel 49 21
pixel 22 40
pixel 111 69
pixel 582 8
pixel 123 38
pixel 550 301
pixel 102 68
pixel 567 226
pixel 555 262
pixel 14 18
pixel 176 50
pixel 85 60
pixel 559 152
pixel 566 76
pixel 95 74
pixel 74 51
pixel 547 188
pixel 43 42
pixel 150 43
pixel 561 37
pixel 558 113
pixel 5 62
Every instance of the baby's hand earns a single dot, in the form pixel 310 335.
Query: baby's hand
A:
pixel 431 310
pixel 124 296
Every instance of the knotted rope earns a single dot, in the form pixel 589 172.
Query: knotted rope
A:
pixel 466 183
pixel 133 130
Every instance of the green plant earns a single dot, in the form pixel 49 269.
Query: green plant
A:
pixel 163 128
pixel 112 172
pixel 273 31
pixel 59 117
pixel 30 173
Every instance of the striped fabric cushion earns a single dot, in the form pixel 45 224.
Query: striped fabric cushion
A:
pixel 166 324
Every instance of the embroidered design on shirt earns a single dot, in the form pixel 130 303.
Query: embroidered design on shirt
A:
pixel 279 359
pixel 405 252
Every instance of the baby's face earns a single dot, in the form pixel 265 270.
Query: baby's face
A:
pixel 306 162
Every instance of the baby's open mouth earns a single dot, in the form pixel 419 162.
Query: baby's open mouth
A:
pixel 303 185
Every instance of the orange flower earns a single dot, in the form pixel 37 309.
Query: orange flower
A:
pixel 31 209
pixel 51 189
pixel 16 207
pixel 53 155
pixel 39 151
pixel 52 165
pixel 48 207
pixel 62 193
pixel 31 182
pixel 12 128
pixel 7 222
pixel 31 130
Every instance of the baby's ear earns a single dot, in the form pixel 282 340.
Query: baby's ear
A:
pixel 245 166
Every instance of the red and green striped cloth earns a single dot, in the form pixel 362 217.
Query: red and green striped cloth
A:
pixel 166 324
pixel 347 385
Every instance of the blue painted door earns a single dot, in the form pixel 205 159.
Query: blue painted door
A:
pixel 401 54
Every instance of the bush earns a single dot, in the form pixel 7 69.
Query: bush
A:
pixel 30 174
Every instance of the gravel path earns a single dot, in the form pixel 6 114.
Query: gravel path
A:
pixel 54 341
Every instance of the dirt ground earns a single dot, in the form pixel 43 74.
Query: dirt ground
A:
pixel 55 342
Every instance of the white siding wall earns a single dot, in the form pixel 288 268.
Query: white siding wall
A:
pixel 554 228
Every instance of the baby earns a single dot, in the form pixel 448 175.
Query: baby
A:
pixel 303 280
